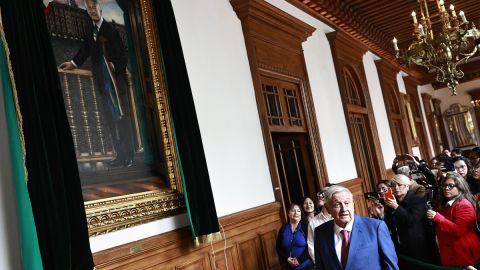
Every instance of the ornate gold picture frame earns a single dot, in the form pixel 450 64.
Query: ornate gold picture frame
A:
pixel 120 190
pixel 460 125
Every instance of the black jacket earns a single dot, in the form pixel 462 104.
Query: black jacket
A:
pixel 411 232
pixel 108 43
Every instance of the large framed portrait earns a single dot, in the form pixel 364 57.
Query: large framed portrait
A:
pixel 110 69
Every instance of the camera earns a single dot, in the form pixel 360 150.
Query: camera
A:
pixel 371 195
pixel 374 196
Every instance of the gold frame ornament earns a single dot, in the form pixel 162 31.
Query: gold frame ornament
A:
pixel 111 214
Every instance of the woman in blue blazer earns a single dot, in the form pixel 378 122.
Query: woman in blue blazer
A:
pixel 292 242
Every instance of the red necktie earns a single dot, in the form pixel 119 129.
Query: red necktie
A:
pixel 344 254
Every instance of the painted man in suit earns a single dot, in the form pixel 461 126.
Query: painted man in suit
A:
pixel 109 60
pixel 351 242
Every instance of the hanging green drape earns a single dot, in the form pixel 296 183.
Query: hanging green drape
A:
pixel 29 249
pixel 197 188
pixel 53 179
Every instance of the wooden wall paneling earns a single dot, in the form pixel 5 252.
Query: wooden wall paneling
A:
pixel 249 255
pixel 273 40
pixel 356 187
pixel 199 264
pixel 250 234
pixel 390 173
pixel 268 241
pixel 348 55
pixel 412 93
pixel 225 258
pixel 394 106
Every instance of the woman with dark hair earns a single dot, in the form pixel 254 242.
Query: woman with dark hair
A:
pixel 383 186
pixel 474 180
pixel 462 166
pixel 454 221
pixel 308 209
pixel 292 242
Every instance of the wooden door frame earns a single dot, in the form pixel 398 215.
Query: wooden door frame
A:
pixel 443 131
pixel 411 85
pixel 388 77
pixel 429 113
pixel 268 29
pixel 346 55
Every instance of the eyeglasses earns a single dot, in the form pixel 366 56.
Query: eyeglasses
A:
pixel 321 194
pixel 460 167
pixel 449 186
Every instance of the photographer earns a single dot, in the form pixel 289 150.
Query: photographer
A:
pixel 418 190
pixel 423 179
pixel 405 217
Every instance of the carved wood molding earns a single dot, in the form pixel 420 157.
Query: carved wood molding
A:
pixel 251 236
pixel 263 12
pixel 279 72
pixel 342 17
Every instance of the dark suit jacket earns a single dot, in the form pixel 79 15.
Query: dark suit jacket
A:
pixel 409 224
pixel 370 247
pixel 108 44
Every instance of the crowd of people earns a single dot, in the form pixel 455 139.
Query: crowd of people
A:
pixel 425 216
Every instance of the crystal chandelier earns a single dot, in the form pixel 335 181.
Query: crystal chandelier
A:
pixel 444 51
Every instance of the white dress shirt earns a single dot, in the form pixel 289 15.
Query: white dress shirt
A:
pixel 316 221
pixel 338 237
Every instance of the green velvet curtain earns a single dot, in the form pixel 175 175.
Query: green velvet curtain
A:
pixel 29 249
pixel 54 184
pixel 197 188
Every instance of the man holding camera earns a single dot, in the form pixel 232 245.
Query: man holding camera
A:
pixel 407 222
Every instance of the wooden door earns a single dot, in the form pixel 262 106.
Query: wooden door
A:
pixel 294 166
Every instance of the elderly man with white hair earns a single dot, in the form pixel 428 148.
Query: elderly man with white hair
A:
pixel 406 219
pixel 351 242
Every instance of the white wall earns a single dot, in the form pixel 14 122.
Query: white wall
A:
pixel 337 150
pixel 9 239
pixel 379 110
pixel 219 72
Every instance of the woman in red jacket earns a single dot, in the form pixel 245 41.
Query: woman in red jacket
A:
pixel 458 240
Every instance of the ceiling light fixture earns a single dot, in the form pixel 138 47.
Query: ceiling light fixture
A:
pixel 443 52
